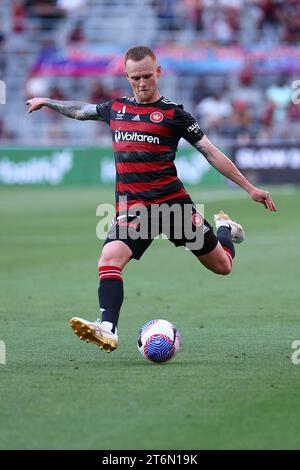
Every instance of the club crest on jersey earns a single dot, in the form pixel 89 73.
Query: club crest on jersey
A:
pixel 120 114
pixel 197 219
pixel 156 116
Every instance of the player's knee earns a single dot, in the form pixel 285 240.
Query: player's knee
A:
pixel 110 259
pixel 113 255
pixel 223 268
pixel 226 270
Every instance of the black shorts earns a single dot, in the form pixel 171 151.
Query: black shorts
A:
pixel 183 225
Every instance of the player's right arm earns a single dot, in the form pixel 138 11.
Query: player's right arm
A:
pixel 71 109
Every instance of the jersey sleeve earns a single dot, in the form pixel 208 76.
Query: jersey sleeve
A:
pixel 186 126
pixel 103 110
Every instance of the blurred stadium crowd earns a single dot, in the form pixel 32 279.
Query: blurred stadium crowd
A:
pixel 242 106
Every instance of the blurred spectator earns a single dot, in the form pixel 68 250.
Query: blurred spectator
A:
pixel 216 26
pixel 76 35
pixel 166 13
pixel 213 110
pixel 268 114
pixel 2 55
pixel 193 14
pixel 200 91
pixel 47 12
pixel 240 125
pixel 292 21
pixel 272 13
pixel 5 134
pixel 71 5
pixel 280 94
pixel 19 16
pixel 293 113
pixel 247 91
pixel 117 92
pixel 249 20
pixel 98 93
pixel 56 93
pixel 1 129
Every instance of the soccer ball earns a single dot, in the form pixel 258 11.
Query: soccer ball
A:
pixel 158 340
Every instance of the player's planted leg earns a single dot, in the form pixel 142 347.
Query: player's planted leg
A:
pixel 103 331
pixel 94 332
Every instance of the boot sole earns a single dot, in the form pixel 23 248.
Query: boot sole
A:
pixel 85 333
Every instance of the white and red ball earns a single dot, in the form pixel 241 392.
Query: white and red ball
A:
pixel 158 340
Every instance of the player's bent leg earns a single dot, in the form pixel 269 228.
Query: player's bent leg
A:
pixel 103 332
pixel 223 220
pixel 218 260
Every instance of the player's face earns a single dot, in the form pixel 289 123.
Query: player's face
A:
pixel 143 78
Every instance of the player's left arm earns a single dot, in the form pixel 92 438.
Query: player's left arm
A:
pixel 225 166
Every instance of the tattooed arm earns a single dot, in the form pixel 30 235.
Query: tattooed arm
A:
pixel 71 109
pixel 225 166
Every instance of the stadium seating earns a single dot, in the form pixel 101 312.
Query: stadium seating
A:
pixel 97 23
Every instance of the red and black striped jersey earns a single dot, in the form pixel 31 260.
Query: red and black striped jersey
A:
pixel 145 139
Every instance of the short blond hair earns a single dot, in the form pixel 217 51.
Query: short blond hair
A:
pixel 138 53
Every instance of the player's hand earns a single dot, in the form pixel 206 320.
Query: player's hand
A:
pixel 264 198
pixel 35 103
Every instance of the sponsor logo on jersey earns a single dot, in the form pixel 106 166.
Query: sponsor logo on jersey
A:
pixel 121 136
pixel 157 116
pixel 194 128
pixel 136 118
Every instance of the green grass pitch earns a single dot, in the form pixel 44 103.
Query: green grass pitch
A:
pixel 232 385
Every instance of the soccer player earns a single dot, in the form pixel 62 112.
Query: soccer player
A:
pixel 146 129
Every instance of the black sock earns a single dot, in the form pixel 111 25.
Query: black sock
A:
pixel 224 237
pixel 110 293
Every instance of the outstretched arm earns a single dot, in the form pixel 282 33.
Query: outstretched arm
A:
pixel 71 109
pixel 225 166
